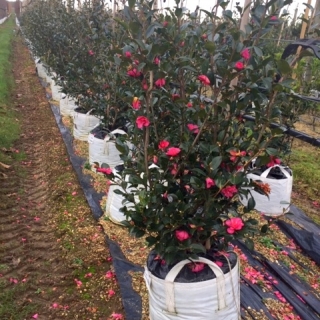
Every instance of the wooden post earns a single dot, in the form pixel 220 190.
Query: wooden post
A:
pixel 245 15
pixel 302 34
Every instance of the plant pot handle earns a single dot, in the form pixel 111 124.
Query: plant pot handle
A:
pixel 89 111
pixel 169 282
pixel 265 173
pixel 117 131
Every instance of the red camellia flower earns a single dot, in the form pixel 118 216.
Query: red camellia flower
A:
pixel 91 53
pixel 197 266
pixel 210 183
pixel 142 121
pixel 273 18
pixel 175 96
pixel 173 152
pixel 189 105
pixel 156 60
pixel 239 65
pixel 235 154
pixel 160 82
pixel 136 104
pixel 134 73
pixel 234 224
pixel 193 128
pixel 163 144
pixel 182 235
pixel 273 161
pixel 204 79
pixel 245 54
pixel 144 85
pixel 128 54
pixel 229 191
pixel 105 170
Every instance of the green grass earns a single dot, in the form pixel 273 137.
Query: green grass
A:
pixel 9 126
pixel 304 162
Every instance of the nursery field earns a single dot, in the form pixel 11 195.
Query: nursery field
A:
pixel 54 259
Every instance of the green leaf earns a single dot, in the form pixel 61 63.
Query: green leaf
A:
pixel 210 46
pixel 249 243
pixel 283 66
pixel 258 51
pixel 197 247
pixel 132 3
pixel 264 228
pixel 251 204
pixel 215 163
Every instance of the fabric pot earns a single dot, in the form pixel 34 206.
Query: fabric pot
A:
pixel 115 201
pixel 83 123
pixel 55 91
pixel 279 198
pixel 104 150
pixel 67 105
pixel 41 70
pixel 218 298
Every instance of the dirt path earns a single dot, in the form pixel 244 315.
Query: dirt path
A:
pixel 53 260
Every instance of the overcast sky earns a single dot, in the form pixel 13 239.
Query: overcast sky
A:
pixel 208 4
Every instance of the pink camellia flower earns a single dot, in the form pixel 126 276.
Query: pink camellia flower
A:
pixel 210 183
pixel 273 161
pixel 204 36
pixel 175 96
pixel 239 65
pixel 229 191
pixel 128 54
pixel 156 60
pixel 165 23
pixel 182 235
pixel 105 170
pixel 235 154
pixel 136 104
pixel 134 73
pixel 193 128
pixel 273 18
pixel 142 121
pixel 234 224
pixel 160 82
pixel 144 85
pixel 174 169
pixel 245 54
pixel 204 79
pixel 197 266
pixel 189 105
pixel 117 316
pixel 91 53
pixel 163 144
pixel 173 152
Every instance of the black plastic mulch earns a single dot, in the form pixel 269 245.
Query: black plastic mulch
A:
pixel 295 291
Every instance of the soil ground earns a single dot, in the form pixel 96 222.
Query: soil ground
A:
pixel 54 263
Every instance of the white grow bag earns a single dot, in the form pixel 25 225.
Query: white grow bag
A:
pixel 215 299
pixel 41 70
pixel 55 91
pixel 67 105
pixel 279 198
pixel 104 150
pixel 83 123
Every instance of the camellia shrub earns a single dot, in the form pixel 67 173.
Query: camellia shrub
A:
pixel 186 87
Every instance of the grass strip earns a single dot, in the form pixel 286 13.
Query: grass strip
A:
pixel 9 126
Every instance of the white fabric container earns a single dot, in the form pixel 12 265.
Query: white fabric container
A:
pixel 216 299
pixel 279 198
pixel 55 91
pixel 41 70
pixel 104 150
pixel 83 123
pixel 66 106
